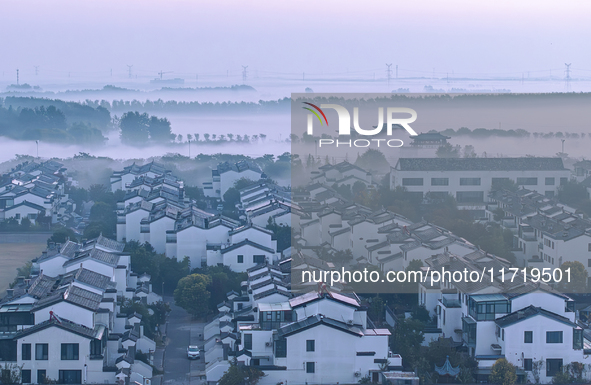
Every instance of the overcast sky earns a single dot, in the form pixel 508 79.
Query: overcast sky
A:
pixel 274 37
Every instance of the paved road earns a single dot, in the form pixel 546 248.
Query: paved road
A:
pixel 182 331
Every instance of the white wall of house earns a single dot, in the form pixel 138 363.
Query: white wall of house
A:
pixel 67 310
pixel 158 230
pixel 397 176
pixel 92 370
pixel 228 178
pixel 248 252
pixel 335 357
pixel 515 350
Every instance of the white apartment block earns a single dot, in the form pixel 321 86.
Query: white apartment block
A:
pixel 547 234
pixel 34 189
pixel 123 180
pixel 469 180
pixel 227 174
pixel 64 323
pixel 525 323
pixel 315 338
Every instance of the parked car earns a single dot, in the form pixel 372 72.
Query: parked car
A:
pixel 193 352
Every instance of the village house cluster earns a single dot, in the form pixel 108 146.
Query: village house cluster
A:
pixel 307 332
pixel 36 191
pixel 156 210
pixel 65 322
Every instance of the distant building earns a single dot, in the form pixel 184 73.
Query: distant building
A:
pixel 469 180
pixel 227 174
pixel 429 140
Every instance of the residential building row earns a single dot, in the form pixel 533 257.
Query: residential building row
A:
pixel 32 190
pixel 322 336
pixel 65 322
pixel 530 324
pixel 546 233
pixel 469 180
pixel 227 174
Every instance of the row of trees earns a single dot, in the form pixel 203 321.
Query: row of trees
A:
pixel 47 124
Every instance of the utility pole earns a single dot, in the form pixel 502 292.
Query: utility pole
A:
pixel 111 72
pixel 396 71
pixel 36 70
pixel 17 77
pixel 567 78
pixel 244 74
pixel 129 69
pixel 189 148
pixel 303 76
pixel 562 145
pixel 389 72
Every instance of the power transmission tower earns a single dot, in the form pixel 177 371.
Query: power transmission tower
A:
pixel 244 73
pixel 129 69
pixel 36 70
pixel 567 79
pixel 17 76
pixel 389 72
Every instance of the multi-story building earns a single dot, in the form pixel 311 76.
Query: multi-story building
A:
pixel 469 180
pixel 530 324
pixel 124 180
pixel 546 233
pixel 64 324
pixel 227 174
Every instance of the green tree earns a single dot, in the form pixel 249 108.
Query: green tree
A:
pixel 448 151
pixel 241 375
pixel 373 161
pixel 159 129
pixel 502 373
pixel 407 339
pixel 376 309
pixel 61 235
pixel 134 128
pixel 192 295
pixel 578 277
pixel 572 193
pixel 504 184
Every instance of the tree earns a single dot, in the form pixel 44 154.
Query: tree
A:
pixel 192 295
pixel 448 151
pixel 502 373
pixel 159 129
pixel 578 277
pixel 407 339
pixel 373 161
pixel 504 184
pixel 241 375
pixel 469 151
pixel 135 128
pixel 61 236
pixel 10 373
pixel 376 309
pixel 572 193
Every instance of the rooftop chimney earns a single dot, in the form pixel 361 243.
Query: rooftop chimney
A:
pixel 9 293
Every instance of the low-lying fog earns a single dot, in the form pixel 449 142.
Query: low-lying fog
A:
pixel 277 127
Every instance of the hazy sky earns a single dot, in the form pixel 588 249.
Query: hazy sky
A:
pixel 276 37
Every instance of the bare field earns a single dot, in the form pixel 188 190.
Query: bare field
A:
pixel 14 255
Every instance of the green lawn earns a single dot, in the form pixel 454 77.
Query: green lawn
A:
pixel 14 255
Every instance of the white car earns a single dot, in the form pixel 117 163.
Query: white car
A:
pixel 193 352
